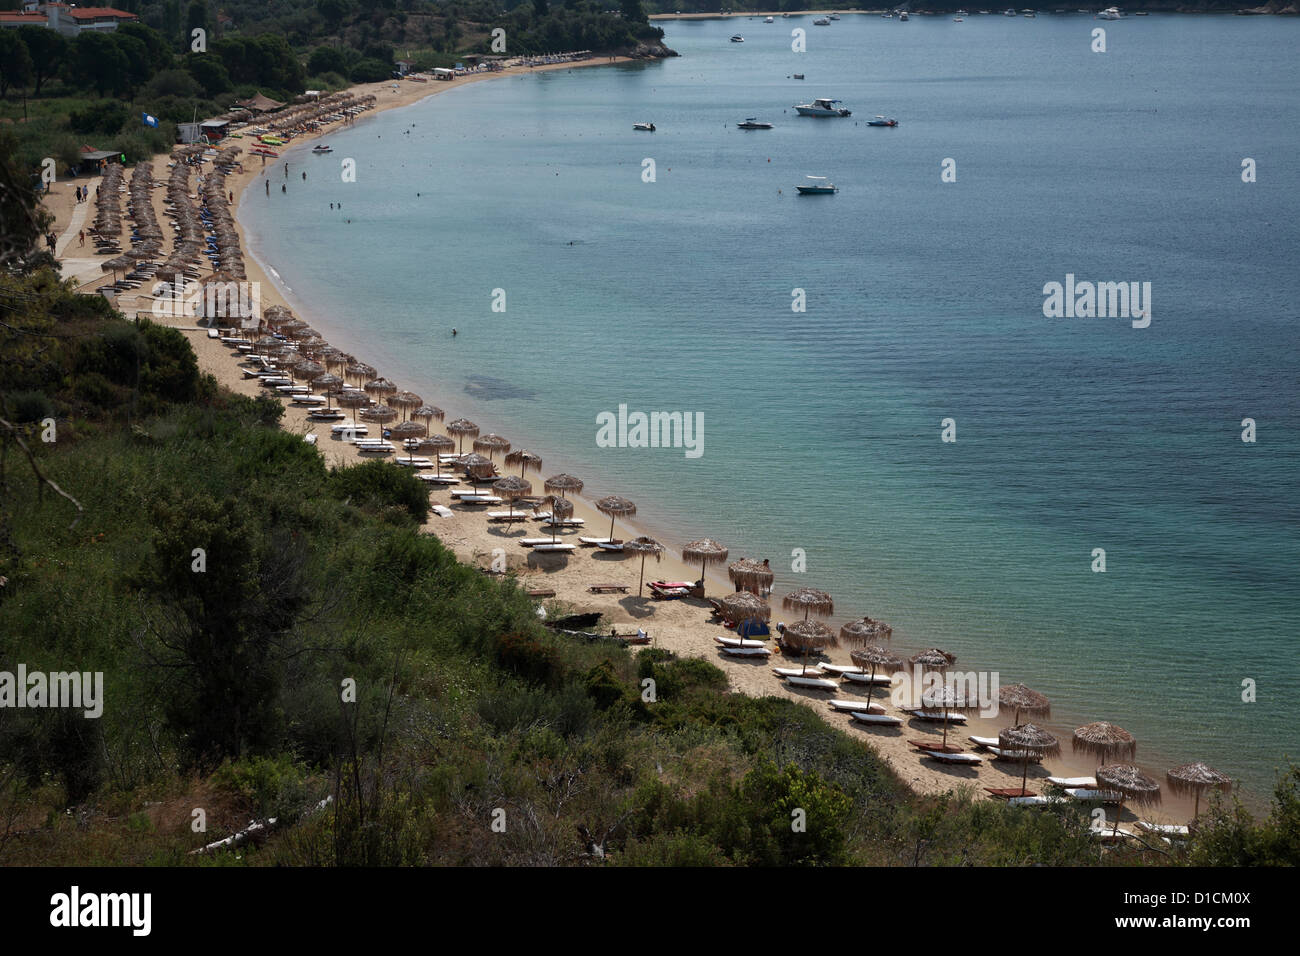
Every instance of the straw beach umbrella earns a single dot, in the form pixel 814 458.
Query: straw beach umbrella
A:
pixel 378 414
pixel 510 488
pixel 427 413
pixel 406 401
pixel 460 428
pixel 1105 740
pixel 330 384
pixel 808 636
pixel 742 606
pixel 1131 784
pixel 706 551
pixel 359 371
pixel 560 508
pixel 751 576
pixel 810 600
pixel 933 659
pixel 644 546
pixel 353 400
pixel 563 484
pixel 478 468
pixel 1195 778
pixel 439 445
pixel 615 507
pixel 491 443
pixel 1027 740
pixel 379 388
pixel 405 430
pixel 1021 698
pixel 864 630
pixel 873 656
pixel 525 460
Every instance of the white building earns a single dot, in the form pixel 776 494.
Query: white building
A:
pixel 69 19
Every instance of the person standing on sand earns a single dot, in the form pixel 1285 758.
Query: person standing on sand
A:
pixel 83 237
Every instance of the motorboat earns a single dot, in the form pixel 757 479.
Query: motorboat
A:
pixel 322 148
pixel 882 121
pixel 753 123
pixel 822 106
pixel 835 16
pixel 1029 13
pixel 1110 13
pixel 769 20
pixel 822 22
pixel 962 13
pixel 817 186
pixel 903 16
pixel 798 76
pixel 1008 12
pixel 644 127
pixel 737 39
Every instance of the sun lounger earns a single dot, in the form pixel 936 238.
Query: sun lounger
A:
pixel 1093 796
pixel 608 588
pixel 1164 829
pixel 505 516
pixel 533 542
pixel 555 548
pixel 936 716
pixel 746 651
pixel 348 430
pixel 1085 783
pixel 670 584
pixel 566 523
pixel 442 511
pixel 1009 793
pixel 983 742
pixel 797 672
pixel 848 706
pixel 473 499
pixel 1035 800
pixel 375 449
pixel 592 542
pixel 876 720
pixel 727 641
pixel 669 594
pixel 410 462
pixel 813 683
pixel 880 680
pixel 439 479
pixel 610 546
pixel 541 592
pixel 1019 756
pixel 966 759
pixel 1109 834
pixel 842 669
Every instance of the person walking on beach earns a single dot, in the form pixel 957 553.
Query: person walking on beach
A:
pixel 83 237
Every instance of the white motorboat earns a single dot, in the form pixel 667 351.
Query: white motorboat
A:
pixel 822 106
pixel 644 127
pixel 1110 13
pixel 903 16
pixel 752 123
pixel 769 20
pixel 737 39
pixel 817 186
pixel 822 22
pixel 835 16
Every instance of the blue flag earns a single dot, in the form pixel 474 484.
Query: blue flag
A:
pixel 149 120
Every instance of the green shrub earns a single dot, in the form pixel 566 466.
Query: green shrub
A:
pixel 528 658
pixel 378 485
pixel 271 786
pixel 603 686
pixel 30 406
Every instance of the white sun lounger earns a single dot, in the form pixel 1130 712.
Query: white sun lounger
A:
pixel 610 546
pixel 986 742
pixel 593 542
pixel 746 651
pixel 1016 755
pixel 562 546
pixel 1086 783
pixel 293 389
pixel 376 449
pixel 442 511
pixel 953 758
pixel 795 671
pixel 816 683
pixel 533 542
pixel 1108 834
pixel 876 720
pixel 726 640
pixel 566 523
pixel 348 429
pixel 1164 829
pixel 880 680
pixel 409 462
pixel 1093 796
pixel 506 516
pixel 473 499
pixel 841 669
pixel 851 705
pixel 937 715
pixel 312 400
pixel 1034 801
pixel 439 479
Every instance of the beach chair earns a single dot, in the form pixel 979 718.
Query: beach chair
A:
pixel 842 669
pixel 1019 756
pixel 813 683
pixel 876 720
pixel 592 542
pixel 962 759
pixel 984 743
pixel 610 545
pixel 849 706
pixel 506 516
pixel 608 589
pixel 1093 796
pixel 1082 783
pixel 1167 830
pixel 533 542
pixel 937 716
pixel 745 651
pixel 557 548
pixel 796 671
pixel 1036 801
pixel 541 592
pixel 728 641
pixel 442 511
pixel 1008 793
pixel 857 677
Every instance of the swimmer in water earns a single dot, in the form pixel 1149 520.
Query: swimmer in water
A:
pixel 453 331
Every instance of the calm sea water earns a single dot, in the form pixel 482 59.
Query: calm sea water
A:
pixel 924 302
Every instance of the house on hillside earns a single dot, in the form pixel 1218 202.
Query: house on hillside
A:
pixel 69 19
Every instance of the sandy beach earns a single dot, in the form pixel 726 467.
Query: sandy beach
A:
pixel 681 626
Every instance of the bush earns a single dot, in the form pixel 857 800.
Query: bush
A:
pixel 603 686
pixel 30 406
pixel 107 117
pixel 370 71
pixel 377 485
pixel 272 787
pixel 528 658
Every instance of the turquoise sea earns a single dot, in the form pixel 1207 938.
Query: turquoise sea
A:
pixel 924 302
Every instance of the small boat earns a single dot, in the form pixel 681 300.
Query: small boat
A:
pixel 737 39
pixel 1008 12
pixel 752 123
pixel 962 13
pixel 644 127
pixel 1029 13
pixel 798 76
pixel 322 148
pixel 903 16
pixel 785 16
pixel 769 20
pixel 835 16
pixel 822 107
pixel 817 186
pixel 958 20
pixel 822 22
pixel 1110 13
pixel 882 121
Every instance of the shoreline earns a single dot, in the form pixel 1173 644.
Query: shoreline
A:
pixel 679 626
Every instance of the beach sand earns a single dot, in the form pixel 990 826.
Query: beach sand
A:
pixel 680 626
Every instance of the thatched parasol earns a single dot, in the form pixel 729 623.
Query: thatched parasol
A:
pixel 308 369
pixel 460 428
pixel 1194 778
pixel 491 443
pixel 810 600
pixel 1021 698
pixel 751 575
pixel 644 546
pixel 478 468
pixel 744 606
pixel 559 507
pixel 406 401
pixel 1131 783
pixel 405 430
pixel 379 414
pixel 427 413
pixel 706 551
pixel 864 630
pixel 379 387
pixel 359 371
pixel 808 636
pixel 1027 739
pixel 353 400
pixel 331 385
pixel 933 659
pixel 1105 740
pixel 615 507
pixel 525 460
pixel 562 483
pixel 873 656
pixel 512 487
pixel 439 445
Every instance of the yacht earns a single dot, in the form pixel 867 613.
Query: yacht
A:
pixel 821 22
pixel 644 127
pixel 1029 13
pixel 817 186
pixel 1008 12
pixel 822 107
pixel 903 16
pixel 1110 13
pixel 962 13
pixel 769 20
pixel 835 16
pixel 737 39
pixel 753 123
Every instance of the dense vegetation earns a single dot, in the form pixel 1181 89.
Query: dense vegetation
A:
pixel 94 89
